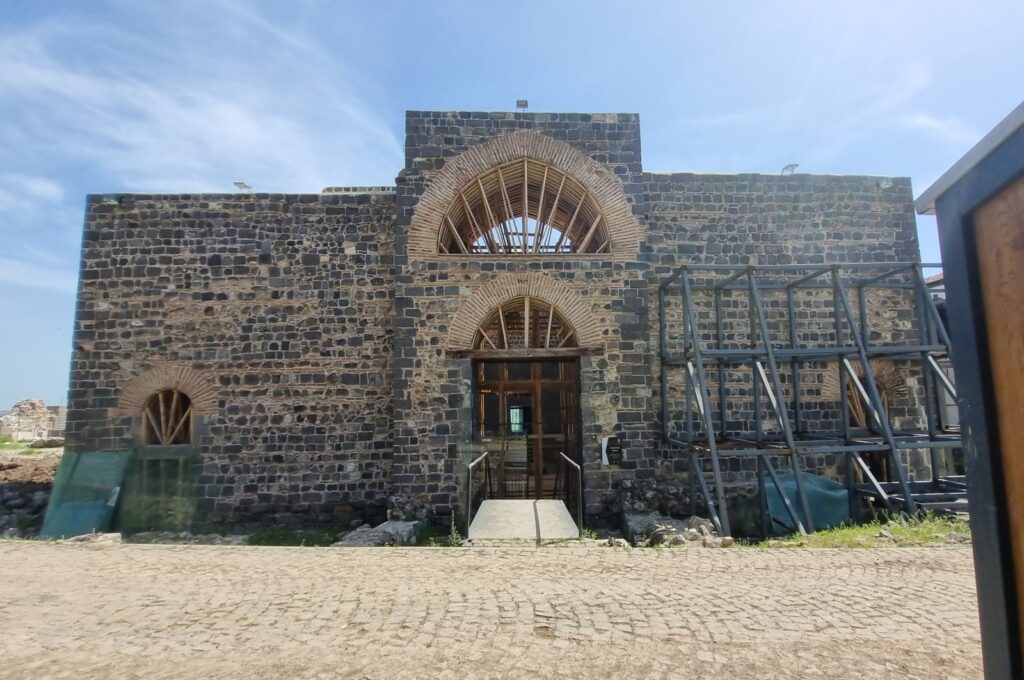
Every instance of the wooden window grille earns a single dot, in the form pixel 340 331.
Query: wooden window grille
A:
pixel 525 323
pixel 167 419
pixel 524 207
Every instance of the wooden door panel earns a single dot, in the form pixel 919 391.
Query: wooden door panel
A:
pixel 999 235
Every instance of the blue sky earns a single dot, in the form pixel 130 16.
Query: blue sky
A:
pixel 294 96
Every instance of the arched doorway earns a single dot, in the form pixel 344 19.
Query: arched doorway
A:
pixel 526 395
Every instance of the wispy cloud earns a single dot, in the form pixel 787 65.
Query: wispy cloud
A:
pixel 195 110
pixel 948 129
pixel 168 100
pixel 873 105
pixel 27 274
pixel 26 191
pixel 729 118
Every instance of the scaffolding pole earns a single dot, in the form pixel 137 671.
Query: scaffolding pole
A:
pixel 709 334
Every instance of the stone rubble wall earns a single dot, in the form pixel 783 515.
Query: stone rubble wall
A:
pixel 30 419
pixel 22 509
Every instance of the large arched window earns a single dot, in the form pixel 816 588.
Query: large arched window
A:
pixel 524 207
pixel 167 419
pixel 525 323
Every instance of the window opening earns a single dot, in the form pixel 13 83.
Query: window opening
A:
pixel 167 419
pixel 525 323
pixel 516 421
pixel 524 207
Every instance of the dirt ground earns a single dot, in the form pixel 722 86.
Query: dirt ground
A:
pixel 38 467
pixel 153 611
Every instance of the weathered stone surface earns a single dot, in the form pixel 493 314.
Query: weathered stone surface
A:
pixel 30 419
pixel 186 538
pixel 636 526
pixel 47 443
pixel 23 507
pixel 16 501
pixel 95 538
pixel 656 529
pixel 389 533
pixel 39 500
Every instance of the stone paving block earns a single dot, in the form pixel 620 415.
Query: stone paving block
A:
pixel 92 611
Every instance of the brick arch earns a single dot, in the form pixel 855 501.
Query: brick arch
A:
pixel 139 389
pixel 623 228
pixel 571 305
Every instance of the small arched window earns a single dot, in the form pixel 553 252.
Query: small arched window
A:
pixel 524 207
pixel 525 323
pixel 167 419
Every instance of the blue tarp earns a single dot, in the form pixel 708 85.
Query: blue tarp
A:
pixel 85 493
pixel 828 500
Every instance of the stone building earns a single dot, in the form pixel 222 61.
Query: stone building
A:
pixel 337 353
pixel 31 419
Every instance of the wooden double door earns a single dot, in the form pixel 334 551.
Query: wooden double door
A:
pixel 526 413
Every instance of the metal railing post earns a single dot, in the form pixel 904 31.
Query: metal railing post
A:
pixel 578 490
pixel 469 487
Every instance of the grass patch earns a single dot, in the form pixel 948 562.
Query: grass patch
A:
pixel 210 528
pixel 432 535
pixel 436 536
pixel 8 445
pixel 897 531
pixel 292 536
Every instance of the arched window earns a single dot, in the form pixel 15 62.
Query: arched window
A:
pixel 167 419
pixel 525 323
pixel 524 207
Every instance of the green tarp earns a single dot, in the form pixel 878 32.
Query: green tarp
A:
pixel 159 491
pixel 829 501
pixel 148 489
pixel 85 493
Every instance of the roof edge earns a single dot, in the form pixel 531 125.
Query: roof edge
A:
pixel 925 203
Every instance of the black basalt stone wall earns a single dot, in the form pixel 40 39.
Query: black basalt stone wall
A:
pixel 433 419
pixel 324 340
pixel 282 302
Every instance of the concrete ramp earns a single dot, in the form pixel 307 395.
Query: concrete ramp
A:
pixel 523 519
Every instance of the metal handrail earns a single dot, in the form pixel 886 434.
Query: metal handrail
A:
pixel 469 486
pixel 579 491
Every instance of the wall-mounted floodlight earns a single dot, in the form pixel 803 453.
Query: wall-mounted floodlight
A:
pixel 788 169
pixel 244 187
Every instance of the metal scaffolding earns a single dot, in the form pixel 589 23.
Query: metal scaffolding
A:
pixel 740 330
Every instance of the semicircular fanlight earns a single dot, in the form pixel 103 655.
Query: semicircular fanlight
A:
pixel 525 323
pixel 524 207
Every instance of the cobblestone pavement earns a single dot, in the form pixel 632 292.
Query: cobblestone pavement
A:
pixel 150 611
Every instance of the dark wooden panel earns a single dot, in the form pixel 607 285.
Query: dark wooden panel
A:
pixel 999 234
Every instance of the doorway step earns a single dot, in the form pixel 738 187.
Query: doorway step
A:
pixel 523 519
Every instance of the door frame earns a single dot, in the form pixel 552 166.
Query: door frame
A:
pixel 534 386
